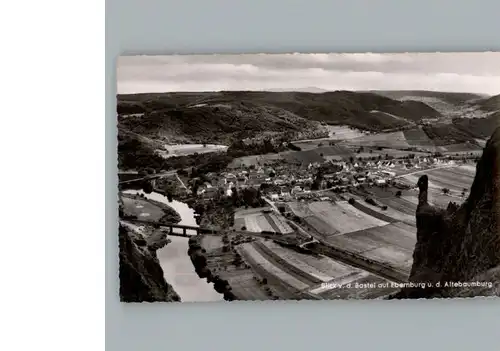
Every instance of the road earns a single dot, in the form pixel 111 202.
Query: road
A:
pixel 180 181
pixel 424 170
pixel 270 203
pixel 153 176
pixel 308 242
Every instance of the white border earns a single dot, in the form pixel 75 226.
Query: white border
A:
pixel 52 205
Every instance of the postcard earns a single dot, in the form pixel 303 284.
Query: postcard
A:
pixel 308 176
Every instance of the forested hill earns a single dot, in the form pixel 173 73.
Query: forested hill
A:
pixel 215 116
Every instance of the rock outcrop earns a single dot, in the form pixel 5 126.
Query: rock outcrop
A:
pixel 458 248
pixel 141 276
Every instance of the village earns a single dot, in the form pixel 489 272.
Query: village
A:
pixel 282 181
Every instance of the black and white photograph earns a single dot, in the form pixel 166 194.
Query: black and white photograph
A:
pixel 308 176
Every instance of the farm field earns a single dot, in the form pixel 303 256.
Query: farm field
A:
pixel 333 158
pixel 316 274
pixel 254 160
pixel 256 260
pixel 343 217
pixel 278 223
pixel 241 279
pixel 417 137
pixel 304 157
pixel 320 226
pixel 211 242
pixel 481 142
pixel 290 257
pixel 390 152
pixel 451 178
pixel 435 198
pixel 336 150
pixel 391 140
pixel 464 147
pixel 295 268
pixel 255 220
pixel 475 153
pixel 244 282
pixel 188 149
pixel 257 223
pixel 326 265
pixel 392 244
pixel 143 209
pixel 307 145
pixel 300 209
pixel 245 286
pixel 392 214
pixel 403 204
pixel 343 133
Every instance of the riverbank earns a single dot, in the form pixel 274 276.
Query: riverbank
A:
pixel 141 275
pixel 178 269
pixel 199 260
pixel 170 216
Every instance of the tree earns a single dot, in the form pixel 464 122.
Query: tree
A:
pixel 398 193
pixel 445 190
pixel 234 196
pixel 147 187
pixel 196 185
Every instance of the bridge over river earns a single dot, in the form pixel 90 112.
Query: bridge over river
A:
pixel 200 230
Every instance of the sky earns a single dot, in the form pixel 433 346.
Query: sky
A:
pixel 453 72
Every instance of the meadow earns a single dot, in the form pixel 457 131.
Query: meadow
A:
pixel 142 209
pixel 255 220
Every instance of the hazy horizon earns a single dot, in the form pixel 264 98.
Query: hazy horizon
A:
pixel 477 73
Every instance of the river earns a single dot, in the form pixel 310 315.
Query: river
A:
pixel 178 269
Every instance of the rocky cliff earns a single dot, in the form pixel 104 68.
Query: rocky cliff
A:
pixel 141 276
pixel 458 248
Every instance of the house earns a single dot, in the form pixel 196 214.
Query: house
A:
pixel 210 192
pixel 379 181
